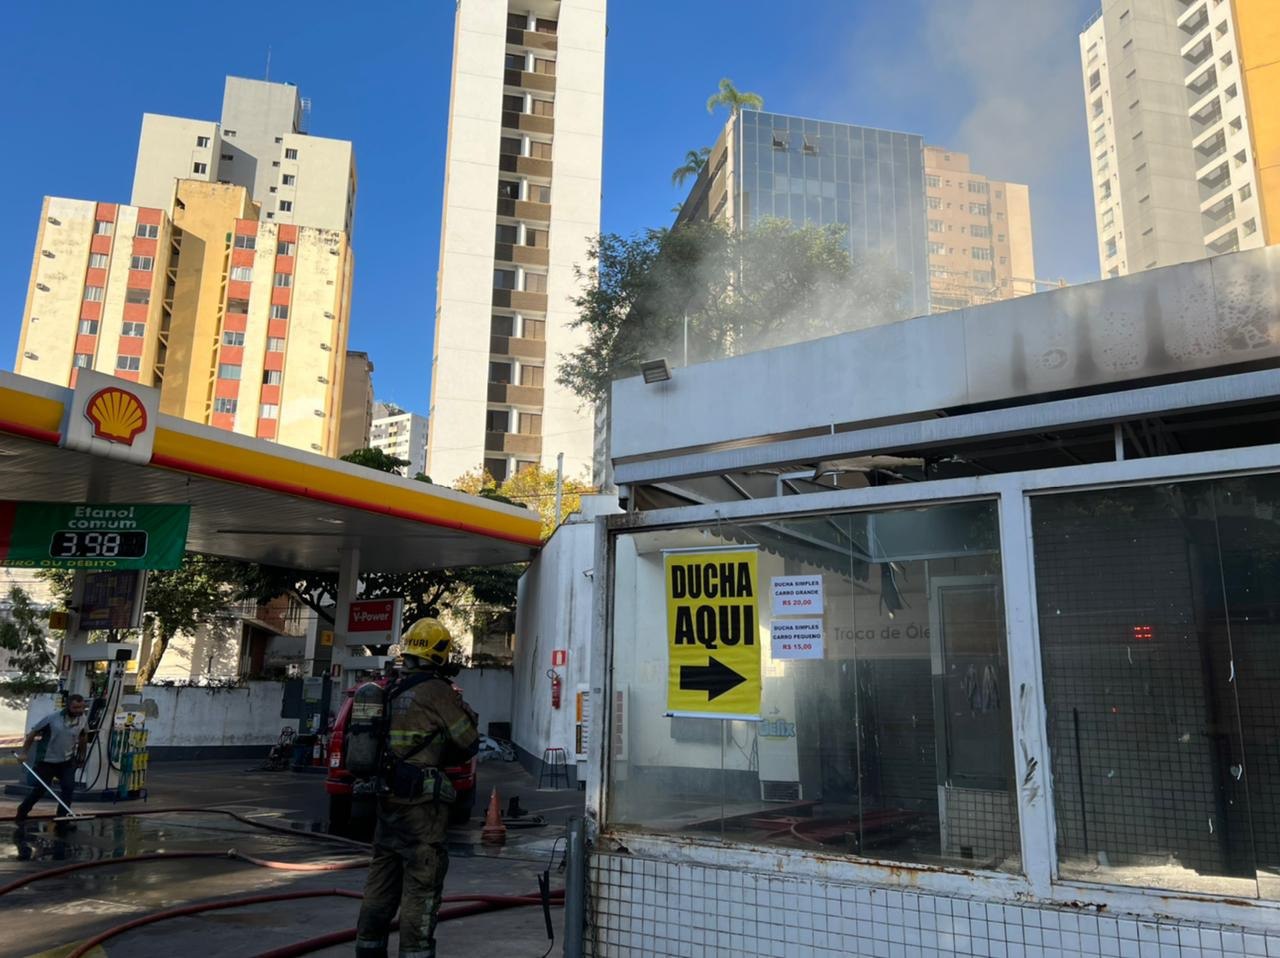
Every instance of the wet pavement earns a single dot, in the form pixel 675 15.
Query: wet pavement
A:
pixel 50 917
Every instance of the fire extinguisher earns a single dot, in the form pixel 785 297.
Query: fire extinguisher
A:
pixel 556 687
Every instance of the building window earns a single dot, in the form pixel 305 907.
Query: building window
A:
pixel 279 311
pixel 540 194
pixel 227 157
pixel 100 260
pixel 979 209
pixel 136 330
pixel 530 424
pixel 534 329
pixel 82 360
pixel 932 180
pixel 982 232
pixel 504 279
pixel 224 404
pixel 497 420
pixel 515 61
pixel 244 241
pixel 508 189
pixel 144 263
pixel 542 107
pixel 290 154
pixel 288 179
pixel 500 373
pixel 512 103
pixel 1108 218
pixel 286 248
pixel 272 377
pixel 536 238
pixel 510 146
pixel 1097 107
pixel 268 410
pixel 981 253
pixel 502 325
pixel 232 337
pixel 202 142
pixel 236 305
pixel 93 294
pixel 539 150
pixel 535 282
pixel 530 375
pixel 103 227
pixel 544 66
pixel 286 206
pixel 937 249
pixel 88 327
pixel 983 276
pixel 147 231
pixel 544 26
pixel 275 344
pixel 242 274
pixel 129 363
pixel 200 168
pixel 1111 248
pixel 935 226
pixel 137 297
pixel 1246 191
pixel 284 279
pixel 497 468
pixel 228 371
pixel 977 186
pixel 933 202
pixel 507 234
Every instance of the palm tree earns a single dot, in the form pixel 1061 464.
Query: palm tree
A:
pixel 694 161
pixel 734 99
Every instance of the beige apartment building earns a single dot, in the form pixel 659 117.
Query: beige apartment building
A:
pixel 980 246
pixel 521 199
pixel 239 317
pixel 357 403
pixel 1182 99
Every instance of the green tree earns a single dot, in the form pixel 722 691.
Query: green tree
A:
pixel 693 163
pixel 736 100
pixel 534 488
pixel 722 292
pixel 23 636
pixel 377 459
pixel 183 599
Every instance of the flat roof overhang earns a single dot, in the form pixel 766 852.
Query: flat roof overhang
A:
pixel 258 501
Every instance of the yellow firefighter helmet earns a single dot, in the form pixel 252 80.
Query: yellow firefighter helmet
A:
pixel 428 640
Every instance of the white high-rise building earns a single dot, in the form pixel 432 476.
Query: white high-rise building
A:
pixel 521 199
pixel 1181 98
pixel 400 434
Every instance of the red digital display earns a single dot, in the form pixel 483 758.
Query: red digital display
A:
pixel 1143 633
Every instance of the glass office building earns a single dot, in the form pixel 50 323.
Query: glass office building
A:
pixel 871 182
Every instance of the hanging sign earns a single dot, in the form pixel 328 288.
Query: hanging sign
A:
pixel 713 633
pixel 61 535
pixel 796 594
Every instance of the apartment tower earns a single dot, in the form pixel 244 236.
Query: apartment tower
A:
pixel 521 199
pixel 980 247
pixel 237 315
pixel 816 173
pixel 401 434
pixel 1183 104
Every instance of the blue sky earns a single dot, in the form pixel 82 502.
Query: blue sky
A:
pixel 998 78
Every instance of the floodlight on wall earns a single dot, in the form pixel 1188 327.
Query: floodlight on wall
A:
pixel 655 371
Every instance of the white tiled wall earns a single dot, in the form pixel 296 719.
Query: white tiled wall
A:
pixel 641 907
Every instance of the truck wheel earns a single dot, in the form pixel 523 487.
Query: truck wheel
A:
pixel 460 810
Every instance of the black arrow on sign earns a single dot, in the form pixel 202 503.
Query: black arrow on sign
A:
pixel 715 678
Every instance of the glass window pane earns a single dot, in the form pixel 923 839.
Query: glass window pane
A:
pixel 1158 609
pixel 892 742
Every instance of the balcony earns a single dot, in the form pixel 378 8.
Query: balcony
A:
pixel 1209 150
pixel 520 300
pixel 1201 84
pixel 1226 241
pixel 1206 116
pixel 513 443
pixel 524 255
pixel 511 395
pixel 525 210
pixel 1194 19
pixel 1196 52
pixel 531 39
pixel 528 123
pixel 517 347
pixel 530 81
pixel 1213 182
pixel 528 165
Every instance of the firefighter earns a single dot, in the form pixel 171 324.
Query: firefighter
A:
pixel 427 721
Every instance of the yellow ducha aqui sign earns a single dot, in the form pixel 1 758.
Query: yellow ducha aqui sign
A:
pixel 713 633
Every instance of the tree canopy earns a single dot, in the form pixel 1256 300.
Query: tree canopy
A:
pixel 770 284
pixel 693 163
pixel 736 100
pixel 533 487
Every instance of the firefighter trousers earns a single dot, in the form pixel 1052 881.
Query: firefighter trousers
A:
pixel 407 873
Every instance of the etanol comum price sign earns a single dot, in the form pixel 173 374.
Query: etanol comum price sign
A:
pixel 61 535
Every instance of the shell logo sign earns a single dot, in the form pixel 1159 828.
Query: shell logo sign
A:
pixel 116 415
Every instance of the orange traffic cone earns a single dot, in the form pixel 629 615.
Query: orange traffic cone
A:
pixel 494 832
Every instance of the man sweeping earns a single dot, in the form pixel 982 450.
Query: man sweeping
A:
pixel 65 734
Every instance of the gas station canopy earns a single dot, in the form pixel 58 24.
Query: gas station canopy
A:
pixel 252 499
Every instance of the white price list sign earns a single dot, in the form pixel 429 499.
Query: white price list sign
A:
pixel 796 594
pixel 796 638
